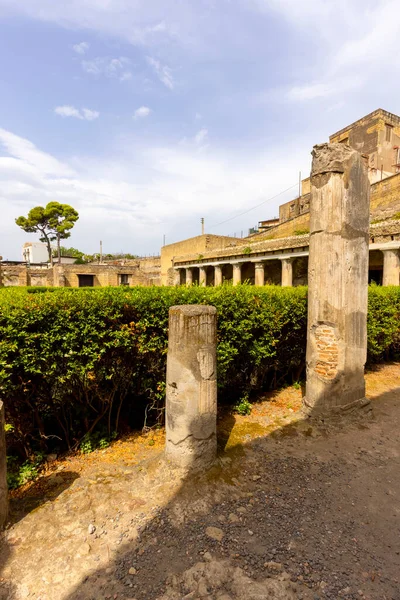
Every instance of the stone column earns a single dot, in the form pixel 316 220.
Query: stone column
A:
pixel 203 276
pixel 3 471
pixel 259 275
pixel 177 277
pixel 191 394
pixel 391 267
pixel 218 275
pixel 237 273
pixel 287 272
pixel 337 280
pixel 189 276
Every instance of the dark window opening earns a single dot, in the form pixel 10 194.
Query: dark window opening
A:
pixel 375 276
pixel 389 133
pixel 86 280
pixel 124 279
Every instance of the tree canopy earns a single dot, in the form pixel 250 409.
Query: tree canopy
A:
pixel 53 222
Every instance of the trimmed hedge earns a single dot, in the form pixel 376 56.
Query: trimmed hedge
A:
pixel 72 361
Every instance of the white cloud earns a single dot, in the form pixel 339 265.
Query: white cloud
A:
pixel 90 115
pixel 113 68
pixel 142 112
pixel 163 72
pixel 132 198
pixel 70 111
pixel 81 48
pixel 201 136
pixel 140 22
pixel 30 157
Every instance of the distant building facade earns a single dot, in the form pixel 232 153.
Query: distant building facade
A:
pixel 278 253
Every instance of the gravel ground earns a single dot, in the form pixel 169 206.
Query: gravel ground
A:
pixel 309 512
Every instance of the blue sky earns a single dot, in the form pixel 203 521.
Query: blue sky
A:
pixel 148 115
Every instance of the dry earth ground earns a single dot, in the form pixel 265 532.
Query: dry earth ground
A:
pixel 293 510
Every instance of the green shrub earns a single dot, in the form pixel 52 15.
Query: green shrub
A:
pixel 74 362
pixel 243 406
pixel 19 474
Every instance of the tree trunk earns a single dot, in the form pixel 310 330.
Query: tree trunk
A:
pixel 49 251
pixel 58 248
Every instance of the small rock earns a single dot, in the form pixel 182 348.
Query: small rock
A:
pixel 241 510
pixel 273 566
pixel 132 571
pixel 250 532
pixel 91 529
pixel 215 533
pixel 233 518
pixel 207 556
pixel 51 458
pixel 256 477
pixel 84 549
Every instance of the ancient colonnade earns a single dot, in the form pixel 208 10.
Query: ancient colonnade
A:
pixel 215 272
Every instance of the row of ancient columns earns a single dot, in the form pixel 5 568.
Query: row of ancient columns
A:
pixel 259 273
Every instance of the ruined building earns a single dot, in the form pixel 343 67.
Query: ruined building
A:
pixel 278 253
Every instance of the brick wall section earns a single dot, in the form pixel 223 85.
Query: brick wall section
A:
pixel 327 352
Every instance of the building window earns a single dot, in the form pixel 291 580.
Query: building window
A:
pixel 124 279
pixel 86 280
pixel 389 133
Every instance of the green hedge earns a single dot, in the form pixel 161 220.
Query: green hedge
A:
pixel 72 361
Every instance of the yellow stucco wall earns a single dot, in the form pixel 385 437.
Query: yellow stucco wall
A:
pixel 190 246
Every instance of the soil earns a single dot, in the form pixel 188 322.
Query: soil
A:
pixel 293 509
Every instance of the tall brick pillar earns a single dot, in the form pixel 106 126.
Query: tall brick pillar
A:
pixel 391 267
pixel 287 272
pixel 337 279
pixel 189 276
pixel 3 471
pixel 218 275
pixel 259 274
pixel 191 394
pixel 237 273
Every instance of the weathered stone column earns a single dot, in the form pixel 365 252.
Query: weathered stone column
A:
pixel 189 276
pixel 218 275
pixel 203 276
pixel 3 471
pixel 287 272
pixel 177 277
pixel 337 279
pixel 391 267
pixel 237 273
pixel 191 395
pixel 259 274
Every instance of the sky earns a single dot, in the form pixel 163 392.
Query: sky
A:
pixel 146 116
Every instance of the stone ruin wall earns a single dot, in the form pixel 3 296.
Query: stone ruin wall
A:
pixel 143 272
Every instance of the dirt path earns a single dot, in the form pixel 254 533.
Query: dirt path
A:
pixel 293 510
